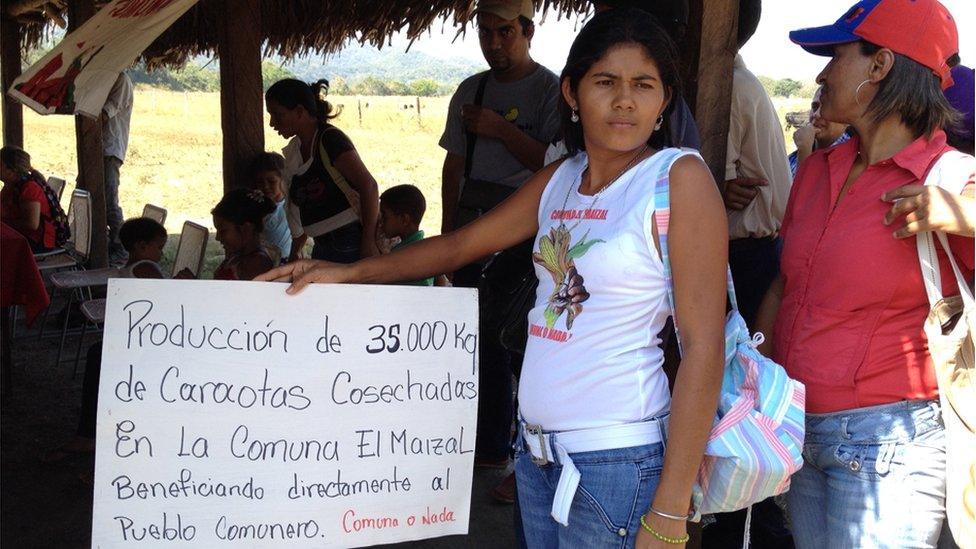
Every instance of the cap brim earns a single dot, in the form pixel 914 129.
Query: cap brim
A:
pixel 821 40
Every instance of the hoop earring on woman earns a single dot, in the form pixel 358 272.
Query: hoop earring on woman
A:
pixel 574 117
pixel 660 121
pixel 857 93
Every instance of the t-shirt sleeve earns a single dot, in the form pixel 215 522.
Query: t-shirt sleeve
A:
pixel 32 192
pixel 336 142
pixel 453 140
pixel 549 113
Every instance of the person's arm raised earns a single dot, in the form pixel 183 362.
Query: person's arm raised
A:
pixel 513 221
pixel 698 246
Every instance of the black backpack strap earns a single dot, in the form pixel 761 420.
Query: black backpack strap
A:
pixel 479 96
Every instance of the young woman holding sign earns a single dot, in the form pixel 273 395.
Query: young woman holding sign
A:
pixel 594 398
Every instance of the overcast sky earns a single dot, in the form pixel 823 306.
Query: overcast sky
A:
pixel 769 52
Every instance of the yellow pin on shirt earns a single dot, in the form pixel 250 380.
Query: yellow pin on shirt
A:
pixel 512 114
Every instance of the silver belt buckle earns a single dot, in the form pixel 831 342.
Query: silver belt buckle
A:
pixel 536 430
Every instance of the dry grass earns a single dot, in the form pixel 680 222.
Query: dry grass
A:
pixel 174 156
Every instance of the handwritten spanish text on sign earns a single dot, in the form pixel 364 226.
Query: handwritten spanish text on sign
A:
pixel 233 414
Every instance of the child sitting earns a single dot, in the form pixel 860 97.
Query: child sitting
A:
pixel 144 240
pixel 265 171
pixel 401 209
pixel 23 204
pixel 239 220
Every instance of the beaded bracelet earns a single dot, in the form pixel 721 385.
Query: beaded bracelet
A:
pixel 662 537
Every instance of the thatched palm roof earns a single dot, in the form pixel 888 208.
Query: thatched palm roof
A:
pixel 291 27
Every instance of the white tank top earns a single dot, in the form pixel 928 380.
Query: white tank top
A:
pixel 593 357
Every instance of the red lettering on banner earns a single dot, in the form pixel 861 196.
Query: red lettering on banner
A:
pixel 549 333
pixel 565 215
pixel 352 524
pixel 435 517
pixel 139 8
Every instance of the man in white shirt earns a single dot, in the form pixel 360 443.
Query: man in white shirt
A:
pixel 116 114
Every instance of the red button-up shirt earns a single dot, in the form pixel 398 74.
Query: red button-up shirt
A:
pixel 850 323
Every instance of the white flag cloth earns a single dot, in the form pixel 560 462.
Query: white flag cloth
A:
pixel 76 76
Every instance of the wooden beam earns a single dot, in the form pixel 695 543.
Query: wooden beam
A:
pixel 13 111
pixel 241 97
pixel 718 21
pixel 88 140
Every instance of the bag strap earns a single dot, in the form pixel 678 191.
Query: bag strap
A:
pixel 352 195
pixel 662 218
pixel 471 137
pixel 925 243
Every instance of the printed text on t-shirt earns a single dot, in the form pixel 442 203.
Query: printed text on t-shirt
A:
pixel 587 213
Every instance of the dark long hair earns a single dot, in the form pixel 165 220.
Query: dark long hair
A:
pixel 241 206
pixel 605 31
pixel 914 93
pixel 19 161
pixel 291 93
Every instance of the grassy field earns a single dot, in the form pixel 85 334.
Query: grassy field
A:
pixel 174 157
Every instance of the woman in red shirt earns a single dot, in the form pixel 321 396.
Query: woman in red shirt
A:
pixel 23 204
pixel 846 315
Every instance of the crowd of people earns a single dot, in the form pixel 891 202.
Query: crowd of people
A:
pixel 552 185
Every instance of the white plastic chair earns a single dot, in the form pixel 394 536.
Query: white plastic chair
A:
pixel 155 213
pixel 57 185
pixel 191 249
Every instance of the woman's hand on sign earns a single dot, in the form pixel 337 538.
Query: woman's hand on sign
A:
pixel 930 208
pixel 303 272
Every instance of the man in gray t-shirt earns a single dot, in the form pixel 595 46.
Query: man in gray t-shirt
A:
pixel 517 117
pixel 510 129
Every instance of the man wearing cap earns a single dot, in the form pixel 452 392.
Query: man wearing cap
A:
pixel 498 124
pixel 846 315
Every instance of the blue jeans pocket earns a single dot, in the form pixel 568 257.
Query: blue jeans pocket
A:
pixel 610 500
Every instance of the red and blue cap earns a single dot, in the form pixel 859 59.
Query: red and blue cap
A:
pixel 922 30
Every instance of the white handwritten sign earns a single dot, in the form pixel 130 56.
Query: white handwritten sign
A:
pixel 232 414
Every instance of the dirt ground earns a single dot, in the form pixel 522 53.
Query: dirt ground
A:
pixel 50 505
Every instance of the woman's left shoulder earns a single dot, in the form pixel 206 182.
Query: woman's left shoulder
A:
pixel 688 169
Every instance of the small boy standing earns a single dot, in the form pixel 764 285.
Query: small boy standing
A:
pixel 401 210
pixel 266 170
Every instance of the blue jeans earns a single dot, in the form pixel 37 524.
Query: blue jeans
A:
pixel 871 477
pixel 341 245
pixel 616 488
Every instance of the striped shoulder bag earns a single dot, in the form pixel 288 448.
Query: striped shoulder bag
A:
pixel 757 436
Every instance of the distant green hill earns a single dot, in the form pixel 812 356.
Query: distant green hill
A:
pixel 360 71
pixel 369 71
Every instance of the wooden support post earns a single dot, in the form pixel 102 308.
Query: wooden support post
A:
pixel 88 140
pixel 711 49
pixel 420 123
pixel 241 98
pixel 13 111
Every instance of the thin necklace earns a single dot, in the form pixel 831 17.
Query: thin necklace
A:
pixel 596 195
